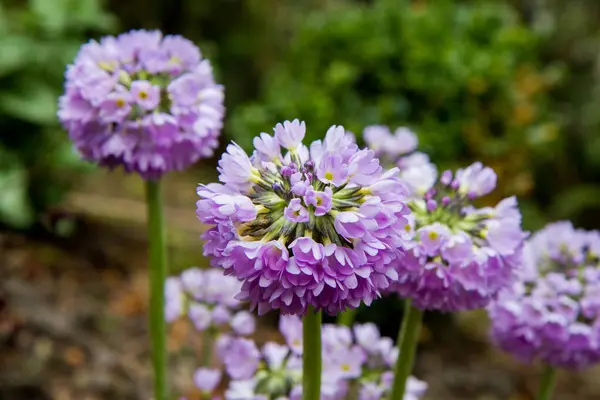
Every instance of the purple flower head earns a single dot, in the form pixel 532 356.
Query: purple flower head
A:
pixel 461 256
pixel 207 379
pixel 552 312
pixel 303 227
pixel 142 101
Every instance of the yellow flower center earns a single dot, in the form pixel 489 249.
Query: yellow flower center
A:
pixel 345 367
pixel 120 103
pixel 328 176
pixel 143 95
pixel 319 201
pixel 432 235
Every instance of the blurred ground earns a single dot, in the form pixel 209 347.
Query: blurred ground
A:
pixel 73 312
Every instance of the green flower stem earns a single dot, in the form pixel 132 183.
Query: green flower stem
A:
pixel 207 346
pixel 407 342
pixel 158 274
pixel 311 358
pixel 347 317
pixel 547 381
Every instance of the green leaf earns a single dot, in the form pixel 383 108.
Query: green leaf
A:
pixel 16 53
pixel 15 209
pixel 575 200
pixel 51 15
pixel 32 101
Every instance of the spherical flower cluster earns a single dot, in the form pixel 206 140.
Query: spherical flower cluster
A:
pixel 208 298
pixel 143 101
pixel 461 256
pixel 315 226
pixel 356 364
pixel 552 313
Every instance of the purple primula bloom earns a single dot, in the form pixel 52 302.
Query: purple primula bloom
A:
pixel 241 358
pixel 296 212
pixel 267 148
pixel 291 329
pixel 461 256
pixel 367 336
pixel 383 142
pixel 116 106
pixel 142 101
pixel 243 323
pixel 207 379
pixel 200 315
pixel 321 201
pixel 476 180
pixel 173 299
pixel 235 168
pixel 220 315
pixel 145 94
pixel 324 226
pixel 332 170
pixel 552 312
pixel 289 135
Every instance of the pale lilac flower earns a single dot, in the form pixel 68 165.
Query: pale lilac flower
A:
pixel 173 299
pixel 200 315
pixel 243 323
pixel 296 212
pixel 476 180
pixel 241 358
pixel 290 134
pixel 142 101
pixel 207 379
pixel 321 201
pixel 220 315
pixel 146 95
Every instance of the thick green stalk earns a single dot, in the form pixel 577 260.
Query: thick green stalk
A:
pixel 547 383
pixel 311 358
pixel 407 342
pixel 158 274
pixel 347 317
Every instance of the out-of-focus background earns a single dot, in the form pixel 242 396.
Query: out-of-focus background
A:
pixel 515 84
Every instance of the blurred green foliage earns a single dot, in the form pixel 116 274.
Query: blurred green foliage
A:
pixel 512 83
pixel 465 75
pixel 38 38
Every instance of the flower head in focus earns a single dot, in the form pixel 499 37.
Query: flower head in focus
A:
pixel 142 101
pixel 552 313
pixel 462 256
pixel 302 225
